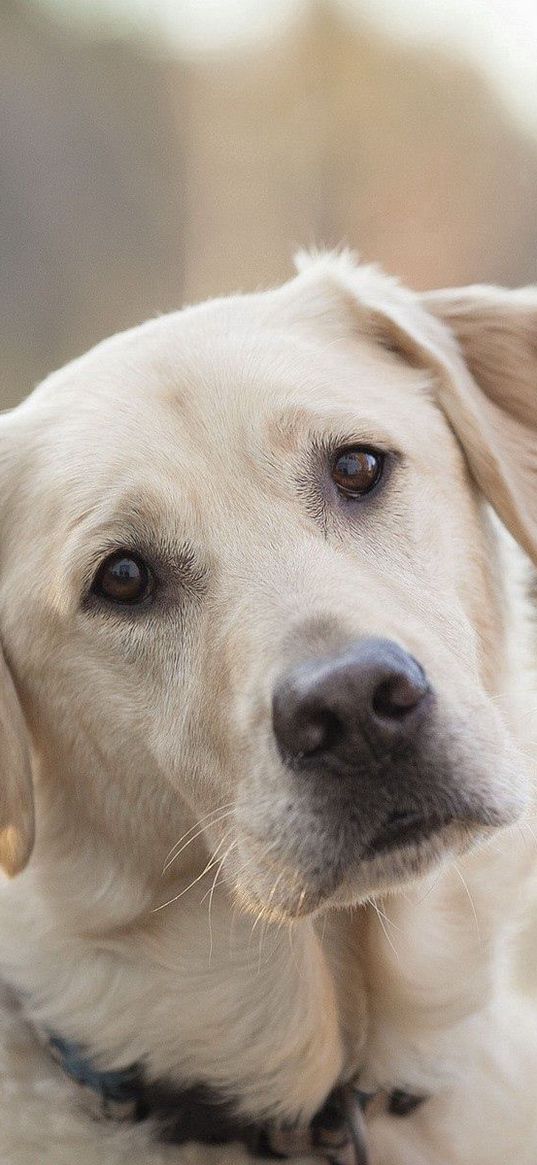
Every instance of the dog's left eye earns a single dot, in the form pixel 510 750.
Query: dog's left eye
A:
pixel 123 578
pixel 357 470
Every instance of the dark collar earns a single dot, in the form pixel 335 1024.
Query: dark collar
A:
pixel 336 1133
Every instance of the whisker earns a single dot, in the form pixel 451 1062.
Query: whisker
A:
pixel 389 920
pixel 430 889
pixel 169 862
pixel 383 925
pixel 470 899
pixel 219 808
pixel 220 860
pixel 265 910
pixel 211 893
pixel 299 971
pixel 210 864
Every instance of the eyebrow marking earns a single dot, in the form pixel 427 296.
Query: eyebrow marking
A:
pixel 290 430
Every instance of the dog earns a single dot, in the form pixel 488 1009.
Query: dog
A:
pixel 266 732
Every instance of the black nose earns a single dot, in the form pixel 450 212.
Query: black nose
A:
pixel 375 695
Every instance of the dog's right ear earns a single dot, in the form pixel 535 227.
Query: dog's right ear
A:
pixel 16 790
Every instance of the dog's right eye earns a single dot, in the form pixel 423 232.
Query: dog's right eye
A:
pixel 357 470
pixel 123 578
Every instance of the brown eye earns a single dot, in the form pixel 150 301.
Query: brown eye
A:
pixel 123 578
pixel 356 471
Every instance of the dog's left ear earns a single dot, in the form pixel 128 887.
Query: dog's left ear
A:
pixel 481 342
pixel 16 788
pixel 494 412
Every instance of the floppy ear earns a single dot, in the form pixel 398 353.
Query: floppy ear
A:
pixel 482 344
pixel 16 795
pixel 495 412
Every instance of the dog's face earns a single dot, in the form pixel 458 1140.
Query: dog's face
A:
pixel 243 557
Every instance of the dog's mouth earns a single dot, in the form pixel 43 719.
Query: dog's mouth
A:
pixel 402 848
pixel 402 829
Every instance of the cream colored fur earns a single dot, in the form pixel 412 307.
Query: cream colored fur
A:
pixel 148 729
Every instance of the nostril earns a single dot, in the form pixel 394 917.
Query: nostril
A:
pixel 320 731
pixel 397 696
pixel 304 728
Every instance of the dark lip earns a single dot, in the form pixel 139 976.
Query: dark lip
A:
pixel 404 829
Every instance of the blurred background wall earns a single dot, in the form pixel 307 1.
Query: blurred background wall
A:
pixel 154 152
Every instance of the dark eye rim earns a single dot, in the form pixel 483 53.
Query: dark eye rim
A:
pixel 146 572
pixel 359 447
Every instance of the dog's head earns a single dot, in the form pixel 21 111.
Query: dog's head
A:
pixel 247 564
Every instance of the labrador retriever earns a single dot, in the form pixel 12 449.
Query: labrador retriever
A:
pixel 266 729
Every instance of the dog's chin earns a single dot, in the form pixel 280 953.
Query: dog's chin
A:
pixel 400 866
pixel 287 892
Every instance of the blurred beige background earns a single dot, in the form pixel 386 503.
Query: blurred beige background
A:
pixel 153 152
